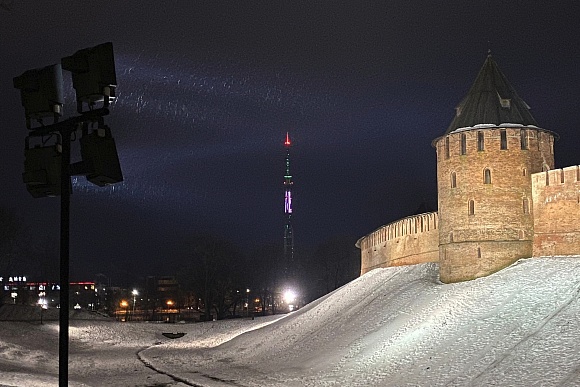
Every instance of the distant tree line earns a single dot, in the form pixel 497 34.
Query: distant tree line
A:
pixel 212 272
pixel 220 275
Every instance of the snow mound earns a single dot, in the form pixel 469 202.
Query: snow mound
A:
pixel 401 326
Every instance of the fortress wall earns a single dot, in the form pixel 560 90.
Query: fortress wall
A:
pixel 407 241
pixel 556 207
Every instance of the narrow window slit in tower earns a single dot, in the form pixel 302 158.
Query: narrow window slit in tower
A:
pixel 524 138
pixel 526 205
pixel 471 207
pixel 503 139
pixel 453 180
pixel 479 252
pixel 463 143
pixel 480 145
pixel 446 147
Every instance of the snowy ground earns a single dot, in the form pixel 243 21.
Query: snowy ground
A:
pixel 391 327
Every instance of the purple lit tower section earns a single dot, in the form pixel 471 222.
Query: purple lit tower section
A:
pixel 288 233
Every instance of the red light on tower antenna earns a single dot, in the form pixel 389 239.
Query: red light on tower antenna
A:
pixel 287 142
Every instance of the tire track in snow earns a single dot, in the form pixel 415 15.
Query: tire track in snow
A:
pixel 545 321
pixel 177 378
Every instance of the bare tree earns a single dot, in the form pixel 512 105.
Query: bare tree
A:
pixel 212 271
pixel 337 262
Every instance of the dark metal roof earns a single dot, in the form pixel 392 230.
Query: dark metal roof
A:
pixel 491 100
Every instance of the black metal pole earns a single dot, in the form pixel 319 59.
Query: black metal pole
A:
pixel 63 336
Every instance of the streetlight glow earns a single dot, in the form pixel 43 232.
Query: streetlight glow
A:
pixel 289 296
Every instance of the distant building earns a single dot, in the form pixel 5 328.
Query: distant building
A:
pixel 161 300
pixel 20 290
pixel 499 197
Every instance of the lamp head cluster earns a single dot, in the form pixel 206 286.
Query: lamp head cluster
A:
pixel 41 93
pixel 41 90
pixel 93 75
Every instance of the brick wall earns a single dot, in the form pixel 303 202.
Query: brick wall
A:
pixel 407 241
pixel 556 195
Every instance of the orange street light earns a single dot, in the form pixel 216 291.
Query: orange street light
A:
pixel 124 304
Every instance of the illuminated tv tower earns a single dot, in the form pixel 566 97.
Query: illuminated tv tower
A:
pixel 288 233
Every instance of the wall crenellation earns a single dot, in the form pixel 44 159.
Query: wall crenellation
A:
pixel 568 175
pixel 406 241
pixel 415 224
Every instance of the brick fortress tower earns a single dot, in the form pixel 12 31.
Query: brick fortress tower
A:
pixel 485 161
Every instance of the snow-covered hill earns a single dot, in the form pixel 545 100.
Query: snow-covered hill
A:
pixel 400 326
pixel 391 327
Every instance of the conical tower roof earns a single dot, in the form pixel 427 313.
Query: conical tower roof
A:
pixel 491 100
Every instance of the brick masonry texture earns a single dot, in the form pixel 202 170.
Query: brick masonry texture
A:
pixel 407 241
pixel 556 197
pixel 496 229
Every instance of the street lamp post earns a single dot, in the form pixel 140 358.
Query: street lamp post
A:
pixel 124 305
pixel 135 293
pixel 47 169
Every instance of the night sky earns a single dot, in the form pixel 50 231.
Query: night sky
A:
pixel 206 94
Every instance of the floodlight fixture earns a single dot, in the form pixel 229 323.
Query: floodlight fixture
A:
pixel 99 151
pixel 93 74
pixel 42 170
pixel 41 93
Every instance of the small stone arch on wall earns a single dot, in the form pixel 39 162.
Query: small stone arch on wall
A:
pixel 486 176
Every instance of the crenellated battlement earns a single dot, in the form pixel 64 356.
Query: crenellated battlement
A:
pixel 407 241
pixel 415 224
pixel 557 177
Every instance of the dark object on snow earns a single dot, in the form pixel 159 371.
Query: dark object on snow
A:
pixel 172 335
